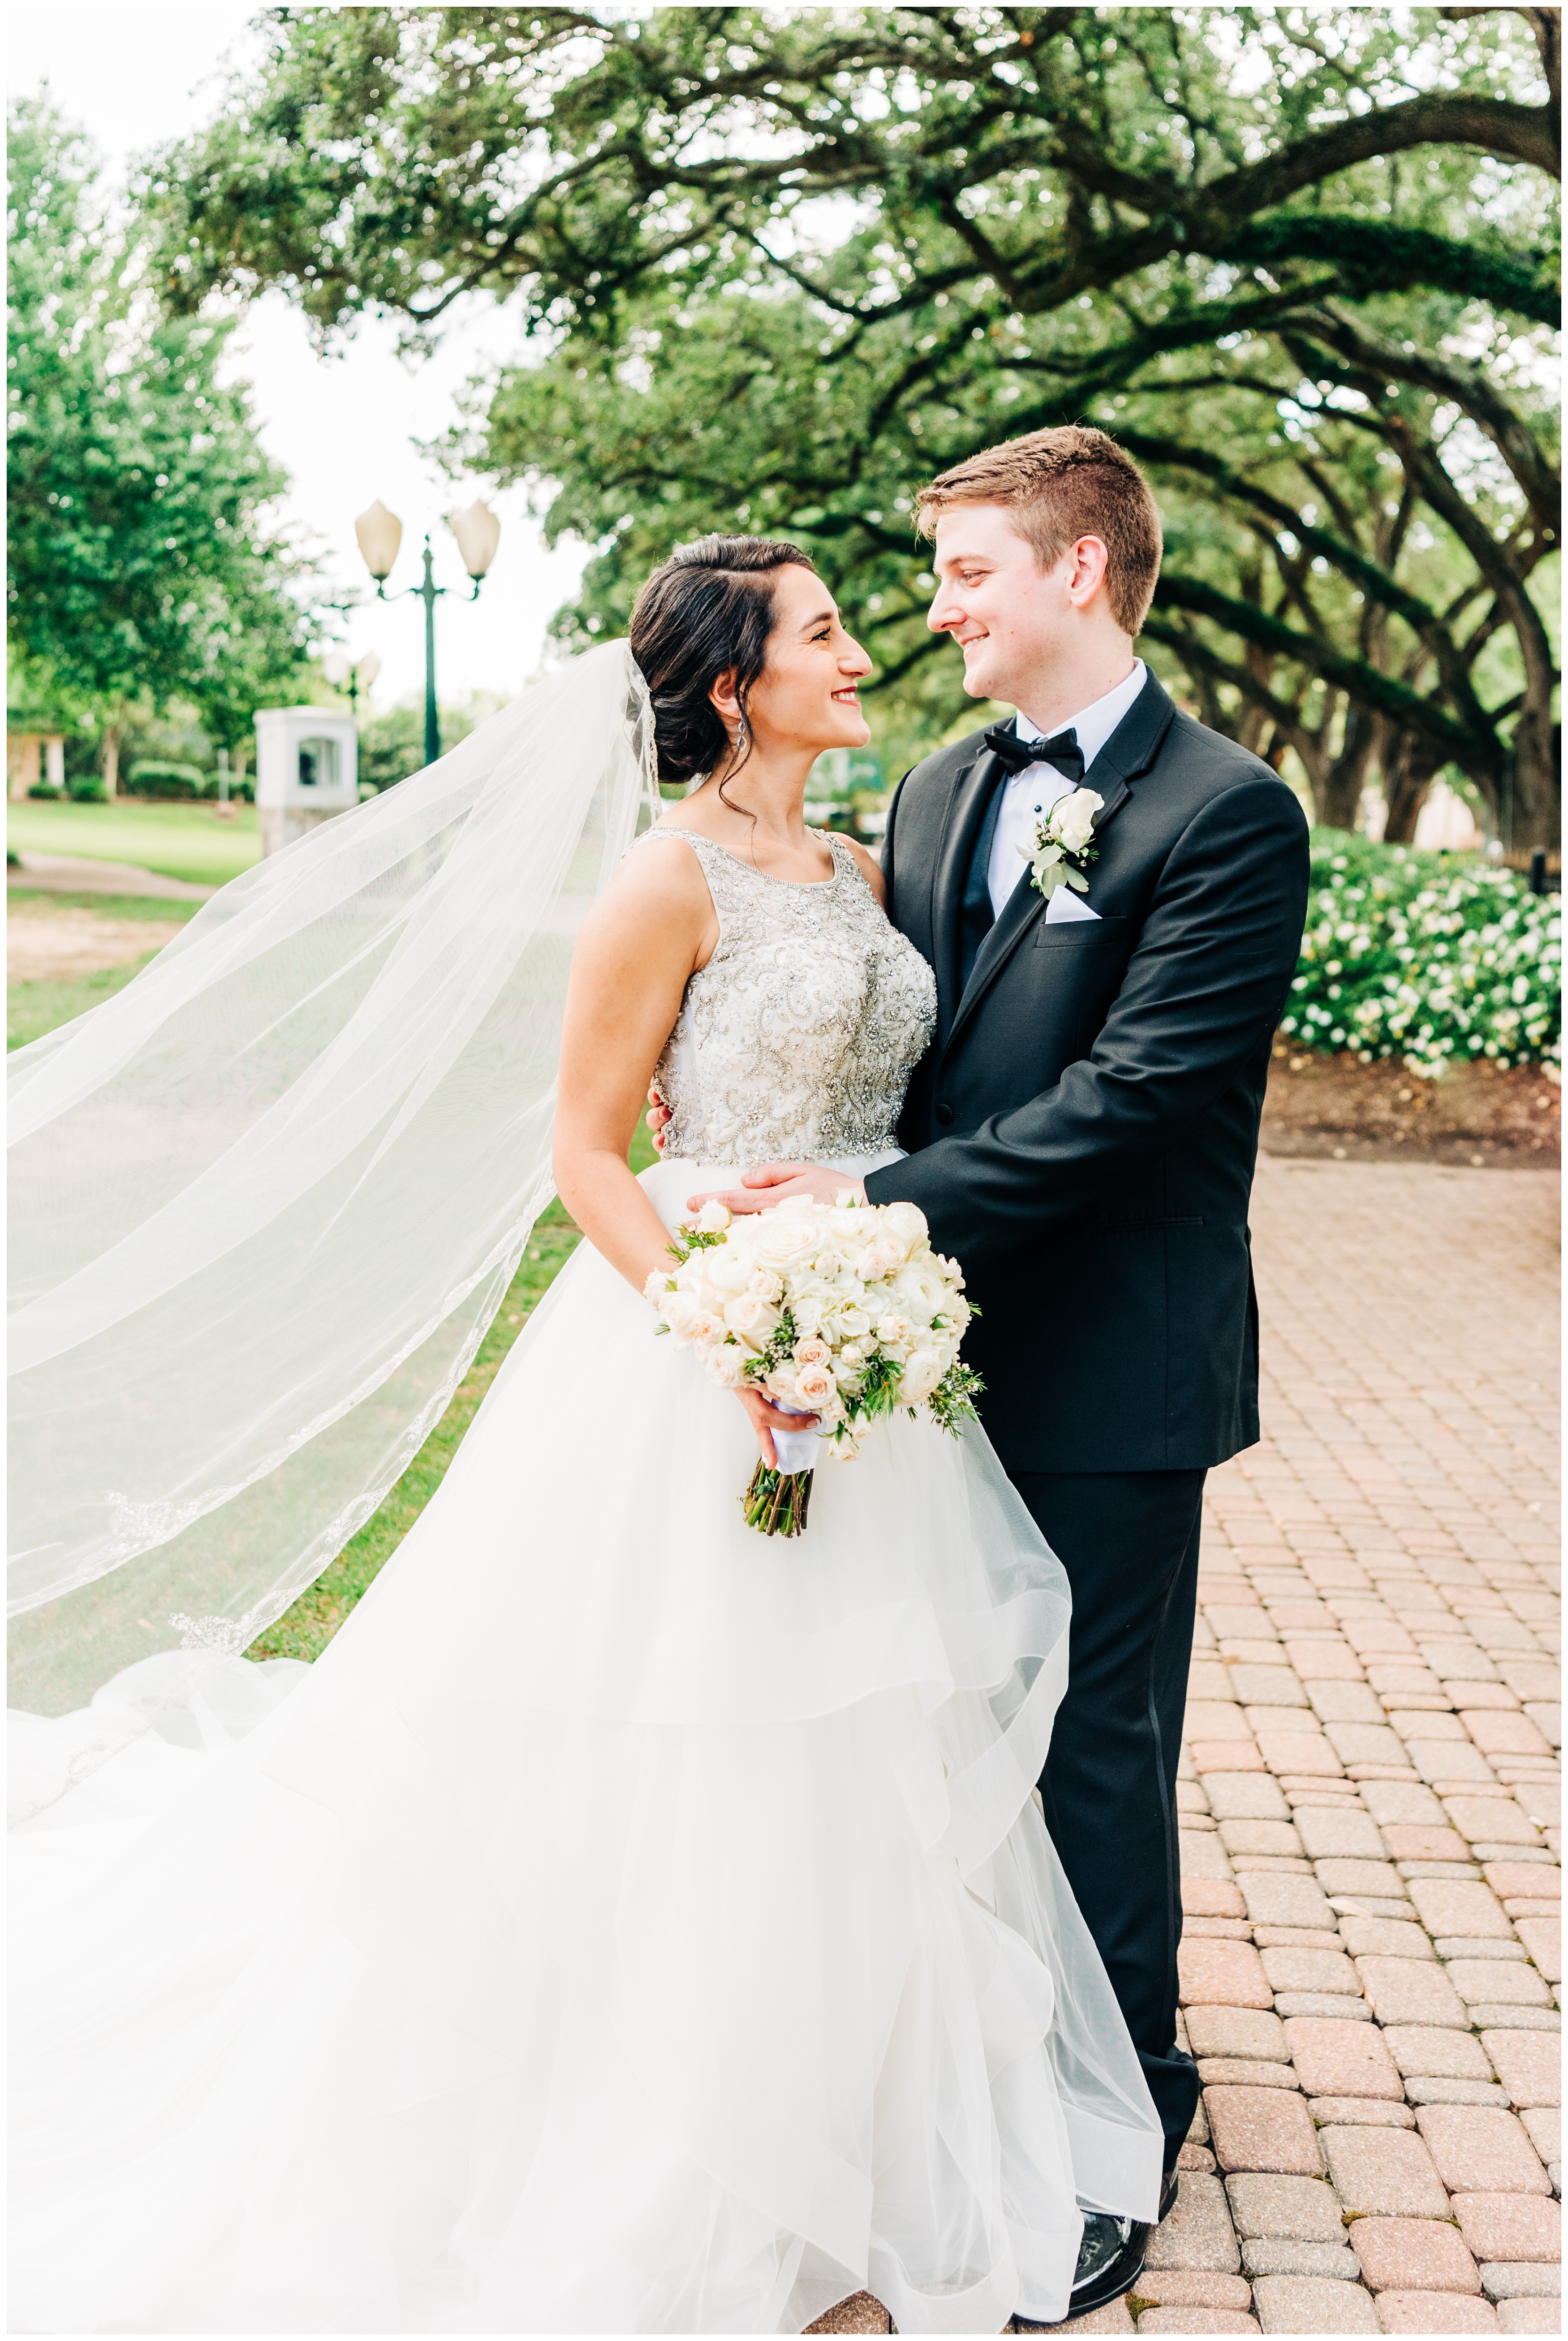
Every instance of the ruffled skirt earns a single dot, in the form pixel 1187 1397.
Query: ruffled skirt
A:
pixel 629 1924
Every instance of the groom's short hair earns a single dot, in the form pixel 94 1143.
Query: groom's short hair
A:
pixel 1058 485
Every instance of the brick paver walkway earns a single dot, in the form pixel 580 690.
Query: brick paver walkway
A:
pixel 1370 1969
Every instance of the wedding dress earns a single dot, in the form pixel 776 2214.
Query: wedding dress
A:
pixel 629 1923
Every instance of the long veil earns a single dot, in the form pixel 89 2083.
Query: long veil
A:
pixel 265 1201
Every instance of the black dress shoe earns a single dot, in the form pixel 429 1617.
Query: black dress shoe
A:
pixel 1110 2259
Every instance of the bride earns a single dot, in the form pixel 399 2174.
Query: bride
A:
pixel 629 1923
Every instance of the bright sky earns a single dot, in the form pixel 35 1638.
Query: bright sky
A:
pixel 344 427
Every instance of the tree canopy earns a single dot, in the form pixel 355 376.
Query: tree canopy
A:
pixel 141 566
pixel 776 266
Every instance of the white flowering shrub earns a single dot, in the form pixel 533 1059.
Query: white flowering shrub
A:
pixel 1434 958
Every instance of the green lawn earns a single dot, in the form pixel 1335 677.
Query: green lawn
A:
pixel 33 1009
pixel 304 1631
pixel 179 841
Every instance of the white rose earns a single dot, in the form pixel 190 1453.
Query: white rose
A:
pixel 765 1284
pixel 657 1286
pixel 727 1364
pixel 906 1223
pixel 750 1316
pixel 680 1314
pixel 784 1239
pixel 813 1353
pixel 921 1375
pixel 706 1327
pixel 1076 819
pixel 891 1326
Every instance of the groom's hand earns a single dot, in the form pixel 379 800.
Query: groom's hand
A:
pixel 776 1182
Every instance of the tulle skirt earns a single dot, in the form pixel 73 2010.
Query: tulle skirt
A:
pixel 629 1924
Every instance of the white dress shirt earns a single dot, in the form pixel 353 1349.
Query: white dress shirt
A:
pixel 1029 796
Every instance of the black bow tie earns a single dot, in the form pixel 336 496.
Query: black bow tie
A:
pixel 1017 755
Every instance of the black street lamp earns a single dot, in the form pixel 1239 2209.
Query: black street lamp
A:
pixel 380 532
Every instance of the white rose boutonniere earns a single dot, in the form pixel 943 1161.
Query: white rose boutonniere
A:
pixel 1064 843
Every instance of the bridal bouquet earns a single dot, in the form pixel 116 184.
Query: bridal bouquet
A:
pixel 841 1309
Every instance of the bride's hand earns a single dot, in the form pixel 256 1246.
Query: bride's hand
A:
pixel 765 1419
pixel 658 1117
pixel 776 1182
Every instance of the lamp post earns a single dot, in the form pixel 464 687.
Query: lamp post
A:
pixel 380 532
pixel 346 675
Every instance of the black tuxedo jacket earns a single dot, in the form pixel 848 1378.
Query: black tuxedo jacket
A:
pixel 1083 1129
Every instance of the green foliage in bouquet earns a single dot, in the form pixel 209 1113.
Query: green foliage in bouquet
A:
pixel 1430 957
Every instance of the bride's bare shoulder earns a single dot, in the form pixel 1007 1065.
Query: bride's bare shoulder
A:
pixel 658 890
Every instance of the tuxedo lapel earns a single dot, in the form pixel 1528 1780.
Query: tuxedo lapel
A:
pixel 1129 751
pixel 961 826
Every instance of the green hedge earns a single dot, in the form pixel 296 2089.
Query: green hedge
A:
pixel 1436 958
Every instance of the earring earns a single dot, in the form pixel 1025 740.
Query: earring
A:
pixel 742 737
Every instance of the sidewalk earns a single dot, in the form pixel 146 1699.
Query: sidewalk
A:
pixel 1370 1967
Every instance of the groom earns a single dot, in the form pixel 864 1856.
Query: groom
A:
pixel 1082 1137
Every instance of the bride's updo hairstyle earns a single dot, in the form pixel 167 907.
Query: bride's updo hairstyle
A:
pixel 708 609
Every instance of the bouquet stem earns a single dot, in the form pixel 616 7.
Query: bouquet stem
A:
pixel 776 1503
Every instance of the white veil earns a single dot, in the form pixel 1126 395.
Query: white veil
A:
pixel 265 1201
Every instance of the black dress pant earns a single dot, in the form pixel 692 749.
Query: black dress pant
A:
pixel 1129 1543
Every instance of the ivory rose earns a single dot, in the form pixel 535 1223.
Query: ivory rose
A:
pixel 1075 819
pixel 750 1316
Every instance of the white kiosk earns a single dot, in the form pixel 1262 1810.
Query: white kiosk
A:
pixel 307 769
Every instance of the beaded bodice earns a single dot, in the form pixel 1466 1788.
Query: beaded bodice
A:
pixel 797 1040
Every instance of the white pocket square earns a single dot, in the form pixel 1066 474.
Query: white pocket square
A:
pixel 1065 904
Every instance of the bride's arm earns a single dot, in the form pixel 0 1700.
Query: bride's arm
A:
pixel 654 924
pixel 651 927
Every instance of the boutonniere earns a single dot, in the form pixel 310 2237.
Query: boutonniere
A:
pixel 1064 843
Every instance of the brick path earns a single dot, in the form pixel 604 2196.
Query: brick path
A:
pixel 1370 1968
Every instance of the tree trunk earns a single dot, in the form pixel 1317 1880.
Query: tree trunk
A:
pixel 1338 798
pixel 112 735
pixel 1537 794
pixel 1407 776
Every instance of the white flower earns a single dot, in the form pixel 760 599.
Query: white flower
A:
pixel 813 1353
pixel 750 1316
pixel 891 1326
pixel 922 1291
pixel 784 1239
pixel 1074 818
pixel 766 1285
pixel 657 1286
pixel 682 1312
pixel 921 1375
pixel 725 1268
pixel 853 1322
pixel 712 1218
pixel 906 1223
pixel 727 1364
